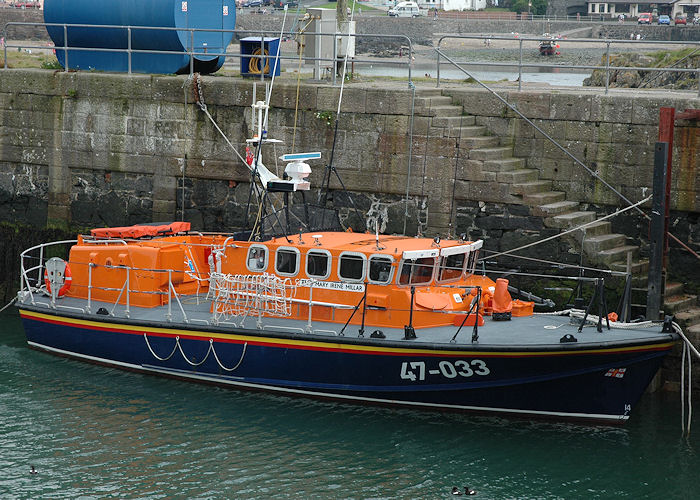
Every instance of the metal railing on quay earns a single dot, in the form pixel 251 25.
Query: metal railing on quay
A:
pixel 193 52
pixel 332 57
pixel 608 43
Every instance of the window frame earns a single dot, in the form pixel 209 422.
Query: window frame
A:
pixel 328 268
pixel 425 283
pixel 391 268
pixel 440 267
pixel 266 260
pixel 364 267
pixel 298 261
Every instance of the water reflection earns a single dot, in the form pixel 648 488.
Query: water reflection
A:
pixel 97 431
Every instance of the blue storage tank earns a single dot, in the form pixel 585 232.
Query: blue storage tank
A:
pixel 200 14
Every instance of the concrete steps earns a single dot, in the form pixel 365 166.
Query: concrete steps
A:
pixel 517 176
pixel 569 219
pixel 453 122
pixel 505 164
pixel 512 176
pixel 596 244
pixel 531 187
pixel 544 197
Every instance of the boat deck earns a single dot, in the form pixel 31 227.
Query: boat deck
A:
pixel 535 331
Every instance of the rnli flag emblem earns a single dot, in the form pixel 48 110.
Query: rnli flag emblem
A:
pixel 616 372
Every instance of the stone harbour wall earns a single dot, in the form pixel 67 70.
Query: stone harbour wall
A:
pixel 93 149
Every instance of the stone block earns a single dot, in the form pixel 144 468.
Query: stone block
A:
pixel 501 127
pixel 388 101
pixel 614 109
pixel 164 187
pixel 534 105
pixel 175 89
pixel 164 209
pixel 580 131
pixel 285 96
pixel 479 103
pixel 570 107
pixel 327 98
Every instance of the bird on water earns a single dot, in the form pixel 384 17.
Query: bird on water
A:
pixel 33 470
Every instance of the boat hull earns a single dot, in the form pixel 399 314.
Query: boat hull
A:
pixel 601 382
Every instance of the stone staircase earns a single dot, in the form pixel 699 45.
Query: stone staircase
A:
pixel 509 179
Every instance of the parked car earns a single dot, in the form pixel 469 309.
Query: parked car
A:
pixel 279 4
pixel 680 19
pixel 664 19
pixel 405 9
pixel 644 18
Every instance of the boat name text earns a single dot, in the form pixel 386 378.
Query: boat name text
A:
pixel 333 285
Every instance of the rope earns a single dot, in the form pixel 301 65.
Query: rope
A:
pixel 571 230
pixel 690 393
pixel 296 106
pixel 190 362
pixel 199 99
pixel 245 346
pixel 274 71
pixel 254 64
pixel 8 304
pixel 563 149
pixel 561 265
pixel 177 343
pixel 688 350
pixel 178 346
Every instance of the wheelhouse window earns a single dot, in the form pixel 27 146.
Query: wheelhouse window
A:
pixel 417 271
pixel 351 267
pixel 318 264
pixel 257 258
pixel 380 269
pixel 287 261
pixel 451 267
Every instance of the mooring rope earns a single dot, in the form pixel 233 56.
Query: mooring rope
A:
pixel 688 350
pixel 199 99
pixel 618 212
pixel 8 304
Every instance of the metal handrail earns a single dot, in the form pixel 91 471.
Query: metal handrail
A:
pixel 191 51
pixel 607 67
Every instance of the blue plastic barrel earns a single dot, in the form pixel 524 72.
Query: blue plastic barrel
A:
pixel 180 14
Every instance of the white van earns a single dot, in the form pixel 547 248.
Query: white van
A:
pixel 405 9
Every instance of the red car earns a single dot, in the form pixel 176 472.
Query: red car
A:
pixel 644 18
pixel 680 19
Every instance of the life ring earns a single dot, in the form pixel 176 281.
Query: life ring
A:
pixel 67 280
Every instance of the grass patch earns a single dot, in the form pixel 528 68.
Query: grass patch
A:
pixel 361 6
pixel 668 57
pixel 24 59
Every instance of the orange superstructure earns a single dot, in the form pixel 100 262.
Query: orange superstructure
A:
pixel 382 281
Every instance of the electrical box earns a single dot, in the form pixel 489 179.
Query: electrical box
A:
pixel 268 48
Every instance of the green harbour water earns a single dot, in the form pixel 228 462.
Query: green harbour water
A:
pixel 96 432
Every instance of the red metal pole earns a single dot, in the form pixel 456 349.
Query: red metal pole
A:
pixel 667 118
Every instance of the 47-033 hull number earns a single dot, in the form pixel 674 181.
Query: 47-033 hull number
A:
pixel 416 370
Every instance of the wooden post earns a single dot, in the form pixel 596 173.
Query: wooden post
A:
pixel 656 232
